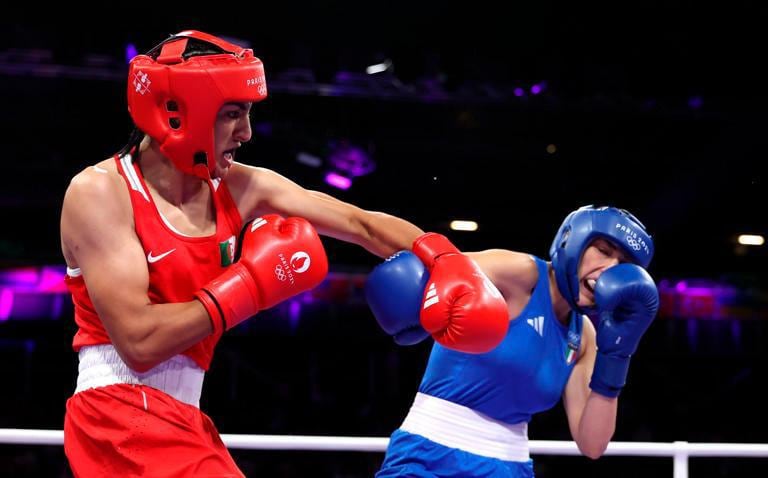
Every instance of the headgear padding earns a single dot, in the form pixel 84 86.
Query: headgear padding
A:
pixel 174 96
pixel 584 225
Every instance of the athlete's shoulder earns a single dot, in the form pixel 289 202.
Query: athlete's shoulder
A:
pixel 514 273
pixel 95 184
pixel 92 176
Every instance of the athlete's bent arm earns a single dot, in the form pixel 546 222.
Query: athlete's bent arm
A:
pixel 98 237
pixel 591 416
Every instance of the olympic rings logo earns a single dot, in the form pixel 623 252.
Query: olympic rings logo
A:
pixel 633 243
pixel 280 273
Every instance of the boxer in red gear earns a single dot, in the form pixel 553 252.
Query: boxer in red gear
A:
pixel 151 240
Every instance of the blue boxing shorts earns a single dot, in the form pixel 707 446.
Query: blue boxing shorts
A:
pixel 415 456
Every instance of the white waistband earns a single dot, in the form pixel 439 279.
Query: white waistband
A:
pixel 179 376
pixel 457 426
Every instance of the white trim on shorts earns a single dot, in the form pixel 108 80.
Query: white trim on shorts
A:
pixel 460 427
pixel 179 376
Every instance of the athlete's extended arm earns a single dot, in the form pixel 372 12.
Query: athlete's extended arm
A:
pixel 264 192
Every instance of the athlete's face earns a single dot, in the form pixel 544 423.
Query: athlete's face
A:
pixel 598 256
pixel 232 128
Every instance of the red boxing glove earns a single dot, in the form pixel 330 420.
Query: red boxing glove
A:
pixel 462 309
pixel 279 258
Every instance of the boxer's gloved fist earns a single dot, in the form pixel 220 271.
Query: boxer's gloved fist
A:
pixel 394 290
pixel 278 258
pixel 461 308
pixel 626 300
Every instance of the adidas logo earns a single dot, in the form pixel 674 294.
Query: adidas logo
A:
pixel 257 223
pixel 431 297
pixel 538 324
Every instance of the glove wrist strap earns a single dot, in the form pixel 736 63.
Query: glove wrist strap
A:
pixel 609 374
pixel 233 296
pixel 215 313
pixel 430 246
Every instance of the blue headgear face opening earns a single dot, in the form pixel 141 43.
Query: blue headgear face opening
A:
pixel 580 228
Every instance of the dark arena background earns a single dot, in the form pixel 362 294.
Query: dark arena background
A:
pixel 509 115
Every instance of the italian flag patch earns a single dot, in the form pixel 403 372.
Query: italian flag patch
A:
pixel 570 355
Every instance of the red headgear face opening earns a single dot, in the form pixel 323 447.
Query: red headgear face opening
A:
pixel 174 98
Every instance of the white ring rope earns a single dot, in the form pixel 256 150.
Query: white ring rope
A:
pixel 679 450
pixel 18 436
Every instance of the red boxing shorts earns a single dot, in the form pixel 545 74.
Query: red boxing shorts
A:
pixel 134 430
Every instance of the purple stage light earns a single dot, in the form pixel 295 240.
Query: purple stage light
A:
pixel 695 102
pixel 34 279
pixel 338 181
pixel 698 299
pixel 130 52
pixel 32 292
pixel 263 128
pixel 6 303
pixel 537 88
pixel 294 313
pixel 350 159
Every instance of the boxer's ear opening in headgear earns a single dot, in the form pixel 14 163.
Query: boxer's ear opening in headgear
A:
pixel 580 228
pixel 176 90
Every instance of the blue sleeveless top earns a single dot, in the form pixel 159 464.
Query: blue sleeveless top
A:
pixel 524 375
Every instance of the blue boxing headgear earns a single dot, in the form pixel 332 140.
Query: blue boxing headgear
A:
pixel 584 225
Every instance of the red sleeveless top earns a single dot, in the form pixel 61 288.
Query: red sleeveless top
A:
pixel 178 265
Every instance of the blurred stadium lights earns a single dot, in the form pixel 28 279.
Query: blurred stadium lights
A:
pixel 385 65
pixel 378 81
pixel 32 292
pixel 460 225
pixel 707 299
pixel 350 159
pixel 338 181
pixel 695 102
pixel 40 293
pixel 308 159
pixel 538 88
pixel 751 240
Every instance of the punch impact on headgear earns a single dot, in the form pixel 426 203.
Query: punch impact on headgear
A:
pixel 178 87
pixel 584 225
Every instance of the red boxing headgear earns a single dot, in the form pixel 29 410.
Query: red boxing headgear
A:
pixel 174 95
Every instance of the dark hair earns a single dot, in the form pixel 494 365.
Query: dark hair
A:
pixel 195 47
pixel 134 140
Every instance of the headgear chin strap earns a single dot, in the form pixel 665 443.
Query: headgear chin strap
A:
pixel 579 229
pixel 174 96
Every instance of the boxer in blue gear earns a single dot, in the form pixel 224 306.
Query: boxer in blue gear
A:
pixel 471 414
